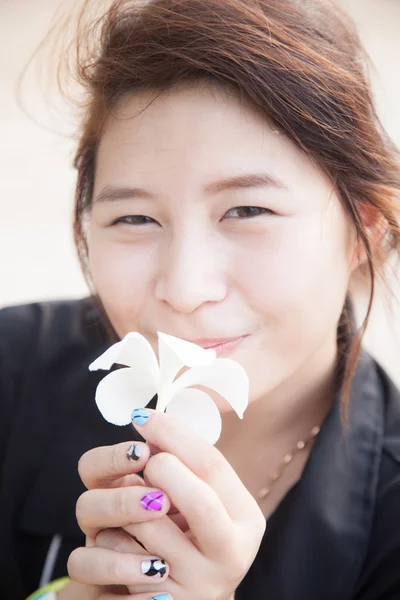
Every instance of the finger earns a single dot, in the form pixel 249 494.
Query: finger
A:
pixel 100 566
pixel 148 596
pixel 128 481
pixel 164 538
pixel 100 466
pixel 173 510
pixel 119 541
pixel 203 459
pixel 206 516
pixel 179 520
pixel 116 507
pixel 84 592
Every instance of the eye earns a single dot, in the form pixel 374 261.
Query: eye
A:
pixel 247 212
pixel 134 220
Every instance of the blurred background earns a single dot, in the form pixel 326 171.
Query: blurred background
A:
pixel 37 256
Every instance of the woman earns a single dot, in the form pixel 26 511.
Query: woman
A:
pixel 232 179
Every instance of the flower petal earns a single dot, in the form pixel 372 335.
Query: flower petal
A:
pixel 189 354
pixel 120 392
pixel 170 365
pixel 226 377
pixel 196 410
pixel 133 351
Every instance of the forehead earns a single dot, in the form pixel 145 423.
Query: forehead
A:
pixel 197 133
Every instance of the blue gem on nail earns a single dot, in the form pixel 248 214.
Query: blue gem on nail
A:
pixel 160 597
pixel 140 416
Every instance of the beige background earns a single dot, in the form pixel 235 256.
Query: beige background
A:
pixel 36 179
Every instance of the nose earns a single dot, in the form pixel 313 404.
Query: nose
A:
pixel 192 273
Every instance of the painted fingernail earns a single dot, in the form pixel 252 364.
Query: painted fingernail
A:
pixel 140 416
pixel 152 501
pixel 160 597
pixel 134 452
pixel 154 567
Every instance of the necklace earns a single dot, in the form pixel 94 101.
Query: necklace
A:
pixel 287 459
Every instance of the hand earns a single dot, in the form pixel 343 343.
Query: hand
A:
pixel 108 468
pixel 226 524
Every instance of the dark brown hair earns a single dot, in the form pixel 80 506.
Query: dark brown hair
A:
pixel 299 61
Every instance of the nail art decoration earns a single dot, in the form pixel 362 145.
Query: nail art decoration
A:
pixel 152 501
pixel 140 416
pixel 160 597
pixel 123 390
pixel 154 567
pixel 134 452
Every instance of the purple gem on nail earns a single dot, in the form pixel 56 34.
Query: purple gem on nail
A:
pixel 152 501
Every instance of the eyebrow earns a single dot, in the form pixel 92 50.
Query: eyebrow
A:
pixel 251 180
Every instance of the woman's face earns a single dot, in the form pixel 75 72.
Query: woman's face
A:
pixel 207 224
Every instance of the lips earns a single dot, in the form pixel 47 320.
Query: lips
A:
pixel 221 346
pixel 213 343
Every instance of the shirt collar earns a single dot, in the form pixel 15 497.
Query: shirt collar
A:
pixel 316 540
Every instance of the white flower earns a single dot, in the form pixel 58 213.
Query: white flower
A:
pixel 123 390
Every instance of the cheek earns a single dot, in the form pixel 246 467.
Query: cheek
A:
pixel 296 282
pixel 302 267
pixel 122 279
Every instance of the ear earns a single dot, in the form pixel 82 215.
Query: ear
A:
pixel 375 227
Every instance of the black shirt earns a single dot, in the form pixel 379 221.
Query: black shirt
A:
pixel 335 535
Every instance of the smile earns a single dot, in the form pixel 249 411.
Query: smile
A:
pixel 222 347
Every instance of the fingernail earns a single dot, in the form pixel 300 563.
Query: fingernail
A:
pixel 154 567
pixel 140 416
pixel 152 501
pixel 160 597
pixel 134 452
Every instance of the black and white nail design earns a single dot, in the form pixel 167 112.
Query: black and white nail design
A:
pixel 134 452
pixel 154 567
